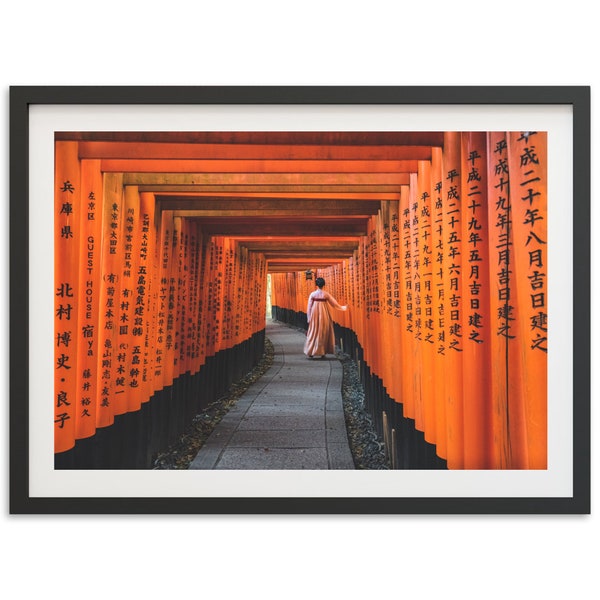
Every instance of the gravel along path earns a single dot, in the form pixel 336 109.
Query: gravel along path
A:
pixel 367 450
pixel 181 454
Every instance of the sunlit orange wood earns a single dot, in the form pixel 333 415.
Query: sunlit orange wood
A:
pixel 453 201
pixel 267 195
pixel 145 297
pixel 476 317
pixel 168 290
pixel 427 341
pixel 447 295
pixel 112 229
pixel 196 291
pixel 385 297
pixel 416 301
pixel 129 323
pixel 440 346
pixel 67 220
pixel 278 189
pixel 179 295
pixel 156 150
pixel 407 302
pixel 254 166
pixel 163 255
pixel 333 138
pixel 395 304
pixel 203 275
pixel 504 331
pixel 90 248
pixel 265 179
pixel 528 190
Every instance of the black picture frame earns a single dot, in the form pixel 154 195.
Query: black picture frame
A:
pixel 21 100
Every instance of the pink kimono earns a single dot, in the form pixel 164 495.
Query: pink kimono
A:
pixel 320 339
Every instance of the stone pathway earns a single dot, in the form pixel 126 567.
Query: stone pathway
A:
pixel 291 418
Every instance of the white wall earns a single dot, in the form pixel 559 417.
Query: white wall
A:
pixel 308 43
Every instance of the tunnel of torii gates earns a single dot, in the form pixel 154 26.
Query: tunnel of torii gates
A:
pixel 167 246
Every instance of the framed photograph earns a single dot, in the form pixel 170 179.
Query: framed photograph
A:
pixel 300 300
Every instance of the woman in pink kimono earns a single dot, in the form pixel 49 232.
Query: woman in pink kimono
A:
pixel 320 339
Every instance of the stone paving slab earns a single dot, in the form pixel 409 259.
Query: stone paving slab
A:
pixel 304 438
pixel 273 458
pixel 298 421
pixel 286 397
pixel 338 455
pixel 284 410
pixel 287 402
pixel 291 418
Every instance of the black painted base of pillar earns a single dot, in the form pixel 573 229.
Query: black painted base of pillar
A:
pixel 412 450
pixel 291 317
pixel 136 438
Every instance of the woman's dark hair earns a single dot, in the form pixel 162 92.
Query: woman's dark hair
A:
pixel 319 282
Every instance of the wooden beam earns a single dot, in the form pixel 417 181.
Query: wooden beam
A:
pixel 276 189
pixel 294 249
pixel 301 265
pixel 257 166
pixel 374 197
pixel 324 256
pixel 273 212
pixel 304 263
pixel 274 266
pixel 412 138
pixel 314 228
pixel 316 151
pixel 276 179
pixel 307 259
pixel 289 238
pixel 282 204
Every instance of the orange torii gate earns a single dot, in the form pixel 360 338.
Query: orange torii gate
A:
pixel 436 241
pixel 448 305
pixel 144 307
